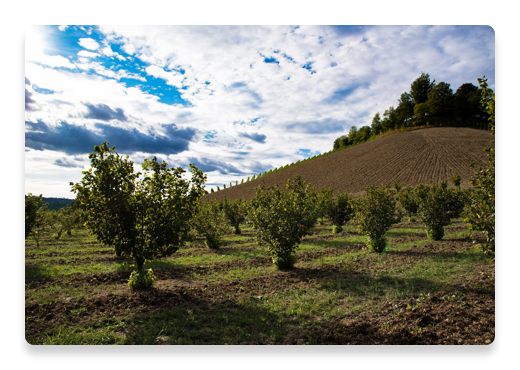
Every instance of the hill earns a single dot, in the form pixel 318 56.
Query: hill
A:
pixel 410 158
pixel 56 203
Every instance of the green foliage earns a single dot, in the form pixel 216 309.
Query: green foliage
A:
pixel 480 213
pixel 340 142
pixel 440 101
pixel 421 87
pixel 421 111
pixel 285 262
pixel 456 180
pixel 34 208
pixel 212 190
pixel 467 103
pixel 235 212
pixel 339 211
pixel 409 200
pixel 390 119
pixel 280 219
pixel 145 218
pixel 375 214
pixel 141 279
pixel 211 223
pixel 438 206
pixel 64 220
pixel 376 126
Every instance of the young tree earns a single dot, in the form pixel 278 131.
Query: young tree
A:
pixel 38 218
pixel 33 212
pixel 143 215
pixel 375 215
pixel 235 212
pixel 339 211
pixel 211 223
pixel 280 219
pixel 438 205
pixel 410 202
pixel 480 215
pixel 66 219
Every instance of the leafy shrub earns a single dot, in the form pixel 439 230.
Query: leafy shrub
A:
pixel 143 218
pixel 339 211
pixel 141 280
pixel 409 200
pixel 280 219
pixel 456 180
pixel 235 213
pixel 438 206
pixel 336 229
pixel 34 208
pixel 480 213
pixel 211 223
pixel 375 214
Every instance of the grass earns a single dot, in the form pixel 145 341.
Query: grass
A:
pixel 221 297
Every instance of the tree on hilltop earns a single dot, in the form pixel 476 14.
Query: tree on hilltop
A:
pixel 440 100
pixel 421 87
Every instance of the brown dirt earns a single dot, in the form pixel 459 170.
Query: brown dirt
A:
pixel 459 314
pixel 409 158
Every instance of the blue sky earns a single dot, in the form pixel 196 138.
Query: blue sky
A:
pixel 234 100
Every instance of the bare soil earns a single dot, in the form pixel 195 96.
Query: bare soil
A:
pixel 412 157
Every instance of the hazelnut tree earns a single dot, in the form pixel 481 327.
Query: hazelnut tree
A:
pixel 142 215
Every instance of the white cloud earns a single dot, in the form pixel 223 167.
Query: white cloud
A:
pixel 87 54
pixel 63 28
pixel 292 106
pixel 88 43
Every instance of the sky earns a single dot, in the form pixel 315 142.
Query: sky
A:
pixel 233 100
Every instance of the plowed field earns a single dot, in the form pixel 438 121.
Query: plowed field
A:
pixel 409 158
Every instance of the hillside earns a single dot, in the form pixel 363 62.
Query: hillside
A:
pixel 410 158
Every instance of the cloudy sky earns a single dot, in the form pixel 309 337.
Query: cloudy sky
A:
pixel 235 101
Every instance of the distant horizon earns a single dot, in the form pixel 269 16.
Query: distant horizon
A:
pixel 235 101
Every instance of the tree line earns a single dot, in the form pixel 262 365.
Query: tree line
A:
pixel 427 103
